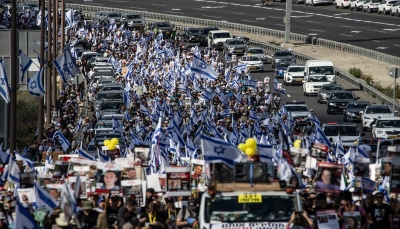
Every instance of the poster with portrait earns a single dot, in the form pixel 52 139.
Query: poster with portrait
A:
pixel 133 190
pixel 60 169
pixel 327 219
pixel 129 170
pixel 26 195
pixel 54 190
pixel 352 219
pixel 197 181
pixel 329 177
pixel 361 167
pixel 384 146
pixel 295 181
pixel 142 155
pixel 83 190
pixel 357 184
pixel 395 176
pixel 178 181
pixel 44 179
pixel 27 179
pixel 311 163
pixel 368 185
pixel 108 178
pixel 386 166
pixel 319 151
pixel 92 173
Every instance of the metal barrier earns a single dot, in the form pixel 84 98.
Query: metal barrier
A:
pixel 90 10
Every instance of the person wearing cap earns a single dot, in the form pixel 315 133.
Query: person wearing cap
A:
pixel 380 214
pixel 87 217
pixel 187 216
pixel 170 213
pixel 348 206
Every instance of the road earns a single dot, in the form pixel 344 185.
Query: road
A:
pixel 368 30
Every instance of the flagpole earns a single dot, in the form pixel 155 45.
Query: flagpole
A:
pixel 55 41
pixel 42 45
pixel 62 33
pixel 49 55
pixel 14 77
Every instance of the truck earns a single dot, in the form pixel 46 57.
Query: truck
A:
pixel 320 67
pixel 217 38
pixel 243 206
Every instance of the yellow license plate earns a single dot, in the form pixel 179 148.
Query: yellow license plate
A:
pixel 392 136
pixel 299 79
pixel 249 198
pixel 341 106
pixel 358 116
pixel 253 67
pixel 239 50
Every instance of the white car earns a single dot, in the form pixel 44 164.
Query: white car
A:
pixel 311 84
pixel 371 5
pixel 318 2
pixel 253 63
pixel 372 112
pixel 293 75
pixel 356 4
pixel 299 111
pixel 385 5
pixel 258 52
pixel 395 9
pixel 348 131
pixel 342 4
pixel 388 127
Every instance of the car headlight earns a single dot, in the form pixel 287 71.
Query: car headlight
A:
pixel 323 94
pixel 366 117
pixel 309 86
pixel 261 64
pixel 332 104
pixel 379 132
pixel 191 36
pixel 231 48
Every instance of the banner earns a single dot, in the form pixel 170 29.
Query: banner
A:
pixel 132 189
pixel 197 182
pixel 142 155
pixel 327 219
pixel 178 179
pixel 329 177
pixel 27 179
pixel 361 167
pixel 352 219
pixel 368 185
pixel 26 195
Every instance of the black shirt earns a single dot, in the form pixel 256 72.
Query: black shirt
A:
pixel 379 215
pixel 112 215
pixel 88 221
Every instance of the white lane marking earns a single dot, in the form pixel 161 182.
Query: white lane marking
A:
pixel 315 22
pixel 275 17
pixel 246 5
pixel 223 2
pixel 346 35
pixel 176 9
pixel 238 13
pixel 211 16
pixel 235 4
pixel 379 31
pixel 260 19
pixel 381 47
pixel 199 0
pixel 288 95
pixel 317 30
pixel 391 29
pixel 211 1
pixel 375 41
pixel 355 31
pixel 347 26
pixel 340 14
pixel 302 16
pixel 396 45
pixel 212 7
pixel 248 21
pixel 312 34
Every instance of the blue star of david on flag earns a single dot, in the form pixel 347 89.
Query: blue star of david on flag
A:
pixel 203 66
pixel 219 150
pixel 33 85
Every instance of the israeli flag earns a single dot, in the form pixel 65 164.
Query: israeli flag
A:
pixel 361 153
pixel 265 152
pixel 219 151
pixel 314 119
pixel 35 86
pixel 68 199
pixel 202 68
pixel 71 63
pixel 82 153
pixel 95 25
pixel 62 67
pixel 4 157
pixel 254 116
pixel 240 67
pixel 4 89
pixel 62 140
pixel 43 198
pixel 39 18
pixel 11 172
pixel 144 110
pixel 117 126
pixel 338 150
pixel 103 157
pixel 320 137
pixel 250 83
pixel 24 64
pixel 23 218
pixel 69 17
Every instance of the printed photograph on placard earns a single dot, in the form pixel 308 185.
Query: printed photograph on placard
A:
pixel 357 185
pixel 352 220
pixel 44 179
pixel 386 166
pixel 295 181
pixel 83 186
pixel 197 169
pixel 108 177
pixel 133 190
pixel 131 173
pixel 60 169
pixel 27 179
pixel 82 170
pixel 395 176
pixel 361 167
pixel 54 190
pixel 329 177
pixel 178 179
pixel 142 156
pixel 26 196
pixel 327 219
pixel 368 185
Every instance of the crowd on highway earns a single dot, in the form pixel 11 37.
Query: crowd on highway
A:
pixel 149 90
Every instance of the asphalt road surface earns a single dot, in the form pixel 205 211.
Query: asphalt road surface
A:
pixel 368 30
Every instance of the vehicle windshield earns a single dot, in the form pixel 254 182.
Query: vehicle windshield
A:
pixel 283 54
pixel 228 209
pixel 330 87
pixel 357 105
pixel 296 108
pixel 194 31
pixel 296 69
pixel 342 96
pixel 92 147
pixel 342 130
pixel 250 58
pixel 133 16
pixel 378 110
pixel 105 106
pixel 114 88
pixel 101 60
pixel 222 35
pixel 283 64
pixel 327 70
pixel 256 51
pixel 318 79
pixel 114 15
pixel 388 123
pixel 163 24
pixel 391 2
pixel 376 1
pixel 110 117
pixel 109 96
pixel 103 125
pixel 236 42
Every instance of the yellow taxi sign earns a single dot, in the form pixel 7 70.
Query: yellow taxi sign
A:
pixel 249 198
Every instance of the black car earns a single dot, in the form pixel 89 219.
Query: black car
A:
pixel 165 27
pixel 337 101
pixel 192 35
pixel 204 35
pixel 352 110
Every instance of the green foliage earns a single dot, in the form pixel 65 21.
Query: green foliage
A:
pixel 27 118
pixel 356 72
pixel 368 79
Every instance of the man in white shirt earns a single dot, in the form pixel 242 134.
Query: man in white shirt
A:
pixel 366 148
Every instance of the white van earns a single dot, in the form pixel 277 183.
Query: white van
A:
pixel 320 67
pixel 217 38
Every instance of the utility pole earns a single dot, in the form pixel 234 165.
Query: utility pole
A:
pixel 62 31
pixel 287 21
pixel 42 56
pixel 55 54
pixel 14 78
pixel 50 42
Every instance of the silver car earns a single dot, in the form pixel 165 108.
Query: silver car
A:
pixel 258 52
pixel 235 46
pixel 325 91
pixel 133 20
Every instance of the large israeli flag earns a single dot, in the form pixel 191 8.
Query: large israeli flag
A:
pixel 4 90
pixel 43 198
pixel 320 137
pixel 266 152
pixel 24 64
pixel 23 218
pixel 35 86
pixel 202 68
pixel 219 151
pixel 62 140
